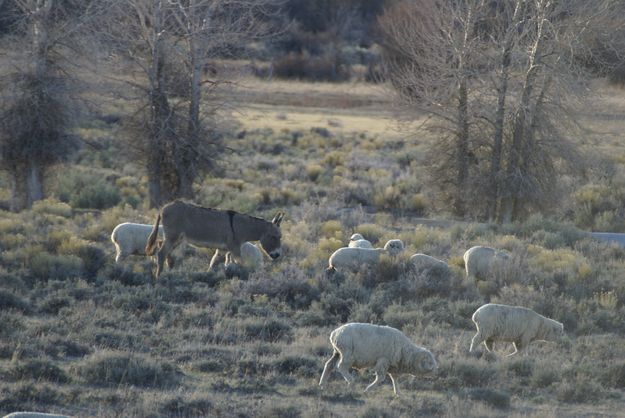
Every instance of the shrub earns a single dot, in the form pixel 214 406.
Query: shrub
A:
pixel 467 373
pixel 313 68
pixel 45 266
pixel 93 258
pixel 292 289
pixel 614 375
pixel 185 407
pixel 497 398
pixel 331 229
pixel 290 411
pixel 579 390
pixel 10 301
pixel 39 370
pixel 251 329
pixel 113 369
pixel 53 304
pixel 299 365
pixel 397 316
pixel 52 207
pixel 88 191
pixel 544 376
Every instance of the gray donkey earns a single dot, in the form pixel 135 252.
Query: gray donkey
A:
pixel 214 228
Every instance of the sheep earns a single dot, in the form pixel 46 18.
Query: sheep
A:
pixel 251 256
pixel 233 269
pixel 354 258
pixel 34 415
pixel 251 259
pixel 514 324
pixel 385 349
pixel 357 241
pixel 130 239
pixel 424 261
pixel 479 261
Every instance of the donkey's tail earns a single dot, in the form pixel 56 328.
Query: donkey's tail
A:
pixel 150 246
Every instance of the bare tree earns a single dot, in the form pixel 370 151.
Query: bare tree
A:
pixel 517 83
pixel 432 54
pixel 37 91
pixel 170 45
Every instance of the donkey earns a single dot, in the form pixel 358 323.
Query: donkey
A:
pixel 215 228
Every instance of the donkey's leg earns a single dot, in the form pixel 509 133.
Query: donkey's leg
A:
pixel 167 247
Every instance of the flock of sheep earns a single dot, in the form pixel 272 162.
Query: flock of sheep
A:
pixel 384 349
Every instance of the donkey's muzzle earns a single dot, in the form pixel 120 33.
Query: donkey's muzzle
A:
pixel 274 255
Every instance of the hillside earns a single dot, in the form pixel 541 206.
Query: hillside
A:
pixel 85 337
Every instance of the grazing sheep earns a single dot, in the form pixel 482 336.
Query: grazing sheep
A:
pixel 130 238
pixel 251 258
pixel 357 241
pixel 479 261
pixel 424 261
pixel 34 415
pixel 385 349
pixel 514 324
pixel 354 258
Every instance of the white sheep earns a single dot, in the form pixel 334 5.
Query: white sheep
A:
pixel 357 241
pixel 354 258
pixel 251 258
pixel 424 261
pixel 385 349
pixel 34 415
pixel 130 239
pixel 514 324
pixel 479 261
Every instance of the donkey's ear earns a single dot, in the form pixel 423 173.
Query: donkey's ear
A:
pixel 278 218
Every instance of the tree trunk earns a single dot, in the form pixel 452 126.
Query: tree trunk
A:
pixel 189 151
pixel 26 186
pixel 513 173
pixel 495 164
pixel 462 150
pixel 160 114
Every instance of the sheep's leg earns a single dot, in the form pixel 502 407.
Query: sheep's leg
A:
pixel 169 261
pixel 381 366
pixel 327 368
pixel 519 345
pixel 343 367
pixel 395 385
pixel 120 256
pixel 476 340
pixel 489 343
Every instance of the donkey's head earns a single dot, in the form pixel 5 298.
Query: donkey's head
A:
pixel 271 239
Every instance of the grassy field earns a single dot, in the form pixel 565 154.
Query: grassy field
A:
pixel 85 337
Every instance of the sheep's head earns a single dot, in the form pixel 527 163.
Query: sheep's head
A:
pixel 555 330
pixel 356 237
pixel 423 361
pixel 394 246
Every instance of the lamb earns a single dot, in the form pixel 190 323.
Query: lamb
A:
pixel 385 349
pixel 479 261
pixel 357 241
pixel 514 324
pixel 424 261
pixel 354 258
pixel 251 258
pixel 130 238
